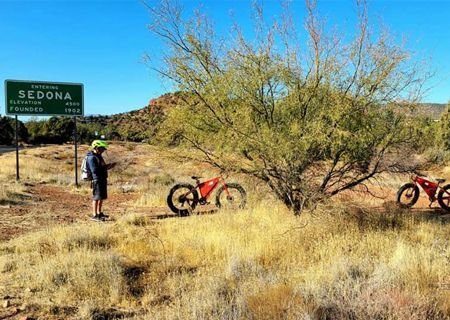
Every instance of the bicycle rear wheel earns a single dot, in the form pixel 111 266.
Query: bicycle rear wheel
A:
pixel 182 199
pixel 234 198
pixel 407 195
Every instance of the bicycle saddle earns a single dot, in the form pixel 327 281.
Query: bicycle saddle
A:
pixel 195 178
pixel 440 180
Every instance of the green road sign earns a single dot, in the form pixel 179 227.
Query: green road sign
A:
pixel 38 98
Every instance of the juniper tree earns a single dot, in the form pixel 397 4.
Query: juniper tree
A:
pixel 310 118
pixel 444 129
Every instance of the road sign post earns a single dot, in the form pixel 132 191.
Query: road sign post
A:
pixel 42 98
pixel 17 149
pixel 76 149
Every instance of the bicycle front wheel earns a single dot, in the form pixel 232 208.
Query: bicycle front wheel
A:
pixel 444 197
pixel 231 196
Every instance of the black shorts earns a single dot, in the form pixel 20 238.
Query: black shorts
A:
pixel 99 190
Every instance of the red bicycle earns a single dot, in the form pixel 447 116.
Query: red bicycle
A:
pixel 184 197
pixel 408 194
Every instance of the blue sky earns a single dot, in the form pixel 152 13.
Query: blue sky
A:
pixel 101 43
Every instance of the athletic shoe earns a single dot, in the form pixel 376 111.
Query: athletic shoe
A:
pixel 102 215
pixel 97 218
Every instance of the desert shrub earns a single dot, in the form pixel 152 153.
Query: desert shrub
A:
pixel 309 129
pixel 437 154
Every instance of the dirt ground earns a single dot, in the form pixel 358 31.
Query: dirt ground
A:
pixel 43 205
pixel 37 205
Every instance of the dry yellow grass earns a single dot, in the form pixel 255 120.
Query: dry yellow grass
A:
pixel 11 193
pixel 259 263
pixel 343 261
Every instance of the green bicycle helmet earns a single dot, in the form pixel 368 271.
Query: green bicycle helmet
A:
pixel 99 144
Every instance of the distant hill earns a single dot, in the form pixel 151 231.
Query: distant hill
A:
pixel 136 125
pixel 431 110
pixel 142 124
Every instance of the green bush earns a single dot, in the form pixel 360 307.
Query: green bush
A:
pixel 7 130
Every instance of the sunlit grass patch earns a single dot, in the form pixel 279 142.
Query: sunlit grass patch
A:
pixel 152 196
pixel 82 275
pixel 329 264
pixel 38 165
pixel 13 193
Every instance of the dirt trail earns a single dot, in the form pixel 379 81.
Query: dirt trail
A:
pixel 45 205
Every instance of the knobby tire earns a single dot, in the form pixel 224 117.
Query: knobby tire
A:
pixel 405 189
pixel 174 199
pixel 235 189
pixel 444 197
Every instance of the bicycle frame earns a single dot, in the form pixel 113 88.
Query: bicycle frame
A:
pixel 206 188
pixel 429 187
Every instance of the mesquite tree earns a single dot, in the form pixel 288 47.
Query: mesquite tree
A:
pixel 310 118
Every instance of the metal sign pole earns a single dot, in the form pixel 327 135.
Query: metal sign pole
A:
pixel 17 149
pixel 76 150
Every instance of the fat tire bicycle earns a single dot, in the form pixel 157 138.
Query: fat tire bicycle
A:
pixel 183 198
pixel 408 194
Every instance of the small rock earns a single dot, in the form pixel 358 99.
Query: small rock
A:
pixel 28 290
pixel 128 187
pixel 6 303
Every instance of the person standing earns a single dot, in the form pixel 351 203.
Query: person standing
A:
pixel 99 170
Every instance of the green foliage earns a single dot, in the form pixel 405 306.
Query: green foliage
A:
pixel 7 130
pixel 134 126
pixel 309 123
pixel 443 130
pixel 53 130
pixel 36 130
pixel 87 132
pixel 138 125
pixel 61 129
pixel 434 138
pixel 424 131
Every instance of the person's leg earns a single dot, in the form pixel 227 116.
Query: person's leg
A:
pixel 103 196
pixel 95 195
pixel 99 206
pixel 94 207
